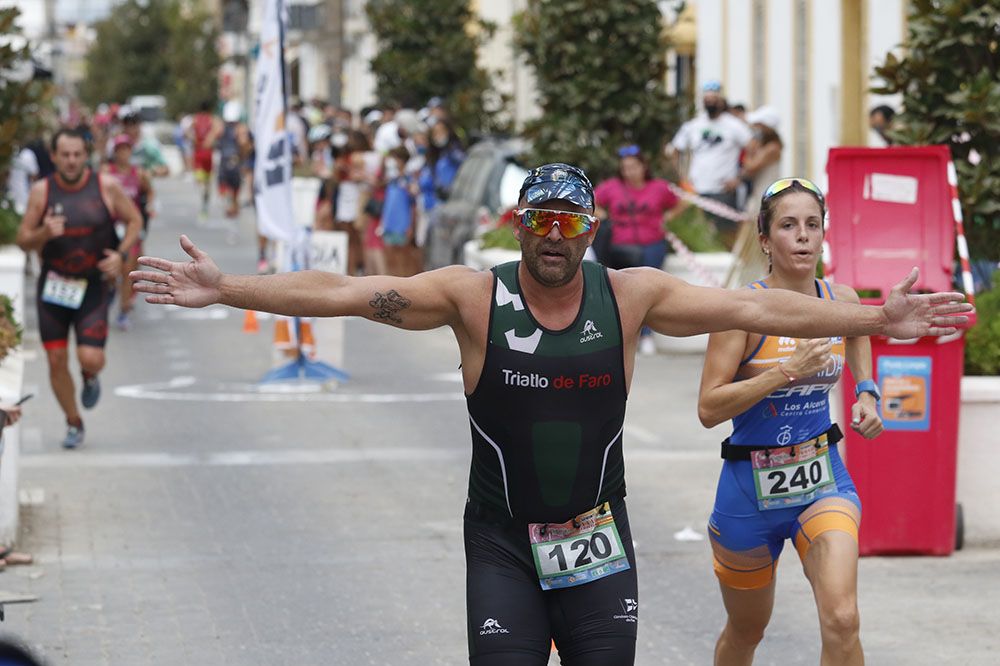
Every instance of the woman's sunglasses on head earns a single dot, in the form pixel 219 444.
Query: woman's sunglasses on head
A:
pixel 783 184
pixel 540 221
pixel 628 151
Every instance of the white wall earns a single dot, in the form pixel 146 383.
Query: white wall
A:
pixel 708 56
pixel 498 56
pixel 733 63
pixel 358 83
pixel 825 82
pixel 886 30
pixel 737 80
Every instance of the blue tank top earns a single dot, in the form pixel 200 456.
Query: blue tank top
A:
pixel 798 411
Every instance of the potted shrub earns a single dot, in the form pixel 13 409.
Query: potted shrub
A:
pixel 978 466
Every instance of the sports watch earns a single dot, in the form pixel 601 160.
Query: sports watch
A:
pixel 867 386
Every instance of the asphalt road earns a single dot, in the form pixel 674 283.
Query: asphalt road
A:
pixel 209 521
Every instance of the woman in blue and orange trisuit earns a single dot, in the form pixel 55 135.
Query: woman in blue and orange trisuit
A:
pixel 782 477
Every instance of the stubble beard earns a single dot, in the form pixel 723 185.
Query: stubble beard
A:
pixel 67 179
pixel 531 260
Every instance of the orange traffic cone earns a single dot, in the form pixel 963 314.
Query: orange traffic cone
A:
pixel 308 341
pixel 283 335
pixel 250 324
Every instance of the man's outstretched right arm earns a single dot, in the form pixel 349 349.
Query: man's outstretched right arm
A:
pixel 425 301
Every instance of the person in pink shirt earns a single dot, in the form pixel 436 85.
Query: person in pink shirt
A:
pixel 636 205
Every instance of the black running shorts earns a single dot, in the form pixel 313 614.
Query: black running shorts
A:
pixel 512 621
pixel 90 321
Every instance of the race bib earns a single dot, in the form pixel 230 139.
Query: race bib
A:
pixel 792 475
pixel 578 551
pixel 65 291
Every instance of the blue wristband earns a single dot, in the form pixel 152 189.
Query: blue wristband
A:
pixel 867 386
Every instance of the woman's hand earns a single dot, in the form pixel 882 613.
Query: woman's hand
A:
pixel 864 417
pixel 810 357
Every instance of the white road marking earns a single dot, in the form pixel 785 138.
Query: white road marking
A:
pixel 641 434
pixel 291 392
pixel 448 377
pixel 84 458
pixel 31 496
pixel 31 439
pixel 268 457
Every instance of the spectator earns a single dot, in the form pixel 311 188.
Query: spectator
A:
pixel 23 172
pixel 635 203
pixel 397 212
pixel 298 128
pixel 714 140
pixel 387 134
pixel 880 120
pixel 762 161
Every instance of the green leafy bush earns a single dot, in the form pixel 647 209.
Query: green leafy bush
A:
pixel 501 237
pixel 982 342
pixel 693 229
pixel 9 222
pixel 10 330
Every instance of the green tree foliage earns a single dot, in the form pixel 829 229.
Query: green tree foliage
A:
pixel 600 68
pixel 161 47
pixel 982 342
pixel 949 77
pixel 428 48
pixel 23 103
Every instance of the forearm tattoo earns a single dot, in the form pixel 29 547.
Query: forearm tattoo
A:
pixel 388 306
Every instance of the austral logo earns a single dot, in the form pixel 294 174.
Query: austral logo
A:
pixel 491 626
pixel 590 332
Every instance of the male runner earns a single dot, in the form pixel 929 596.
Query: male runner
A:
pixel 70 219
pixel 205 131
pixel 548 348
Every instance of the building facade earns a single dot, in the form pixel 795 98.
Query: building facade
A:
pixel 811 60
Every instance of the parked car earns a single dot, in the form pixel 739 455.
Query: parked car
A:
pixel 486 186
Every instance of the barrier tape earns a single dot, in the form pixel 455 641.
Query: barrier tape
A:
pixel 689 259
pixel 963 246
pixel 710 205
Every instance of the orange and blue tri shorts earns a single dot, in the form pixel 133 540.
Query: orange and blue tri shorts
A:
pixel 746 542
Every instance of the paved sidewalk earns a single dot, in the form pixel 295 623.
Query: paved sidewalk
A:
pixel 207 522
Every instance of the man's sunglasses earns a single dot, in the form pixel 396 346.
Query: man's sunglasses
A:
pixel 783 184
pixel 540 221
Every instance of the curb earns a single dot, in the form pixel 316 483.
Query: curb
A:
pixel 12 261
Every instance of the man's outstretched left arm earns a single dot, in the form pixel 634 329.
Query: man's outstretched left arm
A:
pixel 678 308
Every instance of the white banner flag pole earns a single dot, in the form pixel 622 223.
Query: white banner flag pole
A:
pixel 272 175
pixel 273 187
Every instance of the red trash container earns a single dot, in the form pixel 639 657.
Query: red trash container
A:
pixel 891 209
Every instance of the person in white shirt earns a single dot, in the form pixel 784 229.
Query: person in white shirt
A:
pixel 714 140
pixel 23 172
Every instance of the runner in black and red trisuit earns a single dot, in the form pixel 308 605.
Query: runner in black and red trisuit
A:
pixel 135 181
pixel 70 219
pixel 548 348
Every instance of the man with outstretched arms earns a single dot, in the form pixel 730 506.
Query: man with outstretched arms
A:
pixel 71 220
pixel 547 347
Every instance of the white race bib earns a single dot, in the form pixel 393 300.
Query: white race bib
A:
pixel 64 291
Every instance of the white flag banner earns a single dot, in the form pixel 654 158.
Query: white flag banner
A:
pixel 272 174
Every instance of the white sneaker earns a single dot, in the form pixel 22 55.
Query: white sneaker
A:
pixel 647 347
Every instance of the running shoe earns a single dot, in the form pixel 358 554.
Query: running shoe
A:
pixel 263 268
pixel 91 392
pixel 74 437
pixel 123 322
